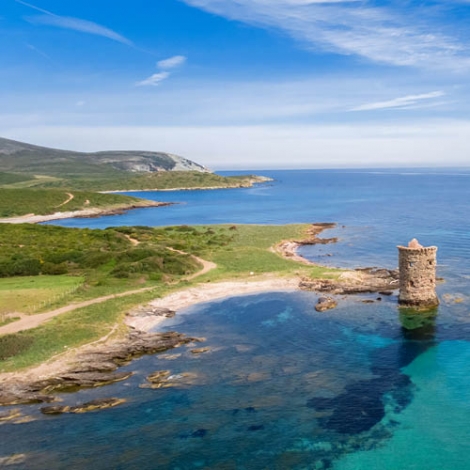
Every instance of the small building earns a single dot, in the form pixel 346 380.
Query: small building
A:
pixel 417 266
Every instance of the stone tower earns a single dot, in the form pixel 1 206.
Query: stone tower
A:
pixel 417 265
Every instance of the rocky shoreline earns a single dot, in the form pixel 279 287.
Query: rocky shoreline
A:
pixel 92 367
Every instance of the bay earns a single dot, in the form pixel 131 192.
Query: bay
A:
pixel 362 386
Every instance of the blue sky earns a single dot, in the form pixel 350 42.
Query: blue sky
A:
pixel 242 83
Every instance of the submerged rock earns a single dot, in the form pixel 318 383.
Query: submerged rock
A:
pixel 200 350
pixel 13 459
pixel 325 303
pixel 99 404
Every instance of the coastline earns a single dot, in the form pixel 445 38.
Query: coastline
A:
pixel 33 385
pixel 84 213
pixel 249 184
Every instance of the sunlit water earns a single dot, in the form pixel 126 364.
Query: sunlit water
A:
pixel 282 386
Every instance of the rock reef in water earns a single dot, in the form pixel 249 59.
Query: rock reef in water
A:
pixel 98 404
pixel 94 368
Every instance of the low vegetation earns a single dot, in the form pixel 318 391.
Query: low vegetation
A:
pixel 30 294
pixel 12 178
pixel 18 202
pixel 136 181
pixel 122 253
pixel 118 259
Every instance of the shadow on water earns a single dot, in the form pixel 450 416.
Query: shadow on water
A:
pixel 363 403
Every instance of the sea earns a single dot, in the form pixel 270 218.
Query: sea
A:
pixel 364 386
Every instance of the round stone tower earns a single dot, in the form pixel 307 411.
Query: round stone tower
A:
pixel 417 265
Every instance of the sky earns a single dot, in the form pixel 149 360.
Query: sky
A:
pixel 242 84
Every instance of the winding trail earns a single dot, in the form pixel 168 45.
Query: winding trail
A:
pixel 70 197
pixel 206 265
pixel 26 322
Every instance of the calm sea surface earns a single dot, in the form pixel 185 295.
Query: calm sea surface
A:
pixel 283 387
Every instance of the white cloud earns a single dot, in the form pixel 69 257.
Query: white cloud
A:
pixel 383 34
pixel 172 62
pixel 75 24
pixel 154 79
pixel 402 103
pixel 163 65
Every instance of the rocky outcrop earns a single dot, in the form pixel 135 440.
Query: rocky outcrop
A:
pixel 94 368
pixel 149 311
pixel 360 281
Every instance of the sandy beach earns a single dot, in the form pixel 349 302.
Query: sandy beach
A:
pixel 209 292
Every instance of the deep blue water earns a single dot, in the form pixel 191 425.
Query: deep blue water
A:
pixel 363 386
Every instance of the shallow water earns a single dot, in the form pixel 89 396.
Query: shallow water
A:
pixel 281 387
pixel 363 386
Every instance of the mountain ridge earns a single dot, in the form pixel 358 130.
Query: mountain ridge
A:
pixel 21 157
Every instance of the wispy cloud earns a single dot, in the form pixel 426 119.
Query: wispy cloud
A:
pixel 76 24
pixel 154 79
pixel 38 51
pixel 163 74
pixel 404 102
pixel 377 31
pixel 171 62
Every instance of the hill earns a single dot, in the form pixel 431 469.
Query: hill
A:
pixel 18 157
pixel 25 166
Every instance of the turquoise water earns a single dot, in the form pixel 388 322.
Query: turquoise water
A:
pixel 363 386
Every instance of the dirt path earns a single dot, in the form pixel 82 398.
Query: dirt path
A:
pixel 206 265
pixel 70 197
pixel 27 322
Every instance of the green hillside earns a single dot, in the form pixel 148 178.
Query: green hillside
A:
pixel 18 202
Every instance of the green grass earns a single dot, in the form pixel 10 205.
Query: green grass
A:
pixel 31 294
pixel 107 259
pixel 12 178
pixel 148 181
pixel 69 330
pixel 249 252
pixel 17 202
pixel 237 251
pixel 30 181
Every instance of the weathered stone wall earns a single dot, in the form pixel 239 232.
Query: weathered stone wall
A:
pixel 417 266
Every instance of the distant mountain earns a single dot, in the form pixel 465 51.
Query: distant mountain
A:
pixel 19 157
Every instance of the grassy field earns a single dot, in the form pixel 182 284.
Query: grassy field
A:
pixel 237 250
pixel 17 202
pixel 33 293
pixel 12 178
pixel 148 181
